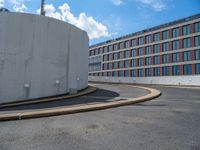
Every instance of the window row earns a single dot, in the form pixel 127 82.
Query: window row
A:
pixel 175 57
pixel 157 71
pixel 175 45
pixel 154 60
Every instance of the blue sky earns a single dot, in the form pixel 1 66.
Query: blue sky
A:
pixel 107 19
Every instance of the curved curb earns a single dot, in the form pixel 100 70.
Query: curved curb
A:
pixel 77 109
pixel 88 90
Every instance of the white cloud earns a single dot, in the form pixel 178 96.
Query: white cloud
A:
pixel 117 2
pixel 50 11
pixel 1 3
pixel 19 5
pixel 94 28
pixel 156 5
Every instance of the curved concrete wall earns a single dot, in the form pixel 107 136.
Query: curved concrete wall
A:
pixel 40 56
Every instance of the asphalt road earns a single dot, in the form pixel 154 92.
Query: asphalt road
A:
pixel 170 122
pixel 104 93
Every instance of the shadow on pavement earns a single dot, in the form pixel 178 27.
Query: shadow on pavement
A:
pixel 101 95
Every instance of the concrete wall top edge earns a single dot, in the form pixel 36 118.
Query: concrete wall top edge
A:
pixel 17 14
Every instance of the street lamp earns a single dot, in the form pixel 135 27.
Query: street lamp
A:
pixel 42 12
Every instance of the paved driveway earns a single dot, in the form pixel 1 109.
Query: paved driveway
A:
pixel 170 122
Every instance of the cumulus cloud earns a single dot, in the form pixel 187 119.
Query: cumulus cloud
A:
pixel 156 5
pixel 50 11
pixel 18 5
pixel 117 2
pixel 94 28
pixel 1 3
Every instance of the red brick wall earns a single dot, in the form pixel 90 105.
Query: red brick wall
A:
pixel 161 71
pixel 181 69
pixel 192 41
pixel 193 69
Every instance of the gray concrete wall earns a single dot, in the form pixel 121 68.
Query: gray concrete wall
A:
pixel 46 54
pixel 193 80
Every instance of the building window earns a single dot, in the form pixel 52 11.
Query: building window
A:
pixel 133 52
pixel 187 69
pixel 186 43
pixel 115 56
pixel 109 66
pixel 126 54
pixel 165 35
pixel 148 72
pixel 140 72
pixel 176 70
pixel 175 45
pixel 186 30
pixel 120 64
pixel 156 48
pixel 90 53
pixel 133 62
pixel 126 63
pixel 109 74
pixel 140 51
pixel 133 73
pixel 133 43
pixel 197 27
pixel 100 50
pixel 175 32
pixel 126 73
pixel 121 45
pixel 197 40
pixel 115 47
pixel 140 40
pixel 120 55
pixel 114 74
pixel 166 58
pixel 96 51
pixel 156 37
pixel 110 57
pixel 104 66
pixel 156 60
pixel 104 49
pixel 197 54
pixel 166 71
pixel 156 71
pixel 176 57
pixel 140 62
pixel 165 46
pixel 120 73
pixel 187 56
pixel 197 68
pixel 104 74
pixel 127 44
pixel 110 48
pixel 148 61
pixel 148 50
pixel 104 57
pixel 115 65
pixel 148 39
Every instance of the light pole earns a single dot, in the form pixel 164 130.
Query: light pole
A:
pixel 42 12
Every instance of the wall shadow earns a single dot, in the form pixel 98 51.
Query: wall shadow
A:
pixel 100 95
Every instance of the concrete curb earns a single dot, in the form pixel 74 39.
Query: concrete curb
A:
pixel 78 109
pixel 89 89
